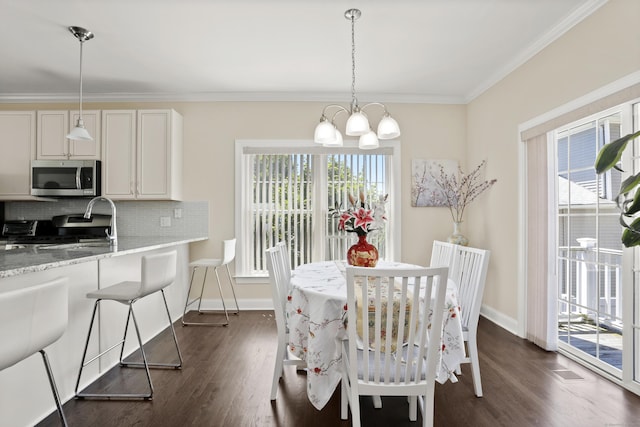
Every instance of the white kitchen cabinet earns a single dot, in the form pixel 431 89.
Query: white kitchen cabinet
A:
pixel 18 145
pixel 142 154
pixel 53 128
pixel 119 154
pixel 159 155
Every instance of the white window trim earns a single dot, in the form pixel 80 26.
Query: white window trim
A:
pixel 242 200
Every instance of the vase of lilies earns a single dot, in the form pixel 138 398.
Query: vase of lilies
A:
pixel 362 218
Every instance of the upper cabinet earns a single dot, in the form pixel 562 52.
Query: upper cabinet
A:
pixel 18 145
pixel 142 154
pixel 53 128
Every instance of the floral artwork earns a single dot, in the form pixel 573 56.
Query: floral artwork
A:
pixel 424 189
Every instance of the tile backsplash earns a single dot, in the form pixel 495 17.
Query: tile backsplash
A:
pixel 134 218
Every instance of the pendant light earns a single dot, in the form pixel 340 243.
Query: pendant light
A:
pixel 80 132
pixel 327 133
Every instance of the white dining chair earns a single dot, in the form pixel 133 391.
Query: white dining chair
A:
pixel 279 289
pixel 157 272
pixel 228 255
pixel 442 254
pixel 286 260
pixel 31 319
pixel 391 349
pixel 469 272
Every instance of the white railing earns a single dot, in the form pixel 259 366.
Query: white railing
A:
pixel 597 286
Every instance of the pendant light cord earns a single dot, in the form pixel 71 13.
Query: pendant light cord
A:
pixel 354 101
pixel 81 43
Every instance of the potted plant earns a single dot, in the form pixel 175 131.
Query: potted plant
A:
pixel 361 218
pixel 628 198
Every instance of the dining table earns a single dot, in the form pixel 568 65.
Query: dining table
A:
pixel 316 313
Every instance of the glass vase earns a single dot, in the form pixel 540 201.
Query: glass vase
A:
pixel 363 253
pixel 457 237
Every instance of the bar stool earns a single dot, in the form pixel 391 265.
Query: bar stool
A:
pixel 158 272
pixel 229 253
pixel 31 319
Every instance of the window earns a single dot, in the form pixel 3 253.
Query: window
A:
pixel 285 191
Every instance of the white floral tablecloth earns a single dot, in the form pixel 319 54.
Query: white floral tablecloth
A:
pixel 316 311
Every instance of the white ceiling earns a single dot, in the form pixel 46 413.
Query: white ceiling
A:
pixel 406 50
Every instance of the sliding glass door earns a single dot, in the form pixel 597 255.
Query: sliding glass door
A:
pixel 589 251
pixel 598 301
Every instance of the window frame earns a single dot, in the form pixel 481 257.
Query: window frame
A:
pixel 243 197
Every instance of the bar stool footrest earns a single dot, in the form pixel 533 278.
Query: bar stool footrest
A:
pixel 151 365
pixel 191 323
pixel 115 396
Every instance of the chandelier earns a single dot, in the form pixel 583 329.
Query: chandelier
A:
pixel 80 132
pixel 327 133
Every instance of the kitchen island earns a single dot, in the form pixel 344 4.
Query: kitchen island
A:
pixel 25 396
pixel 33 258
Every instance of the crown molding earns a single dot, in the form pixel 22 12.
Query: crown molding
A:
pixel 536 47
pixel 26 98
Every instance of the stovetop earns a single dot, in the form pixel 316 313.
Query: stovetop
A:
pixel 43 240
pixel 64 230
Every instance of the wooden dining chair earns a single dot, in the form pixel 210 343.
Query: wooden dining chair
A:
pixel 469 272
pixel 279 280
pixel 392 348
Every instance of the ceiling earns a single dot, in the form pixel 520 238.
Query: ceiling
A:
pixel 406 50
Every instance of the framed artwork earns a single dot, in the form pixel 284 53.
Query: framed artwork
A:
pixel 424 190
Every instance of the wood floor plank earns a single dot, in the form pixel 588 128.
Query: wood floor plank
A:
pixel 226 381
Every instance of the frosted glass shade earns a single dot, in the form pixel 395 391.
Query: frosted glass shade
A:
pixel 368 141
pixel 338 142
pixel 357 124
pixel 388 128
pixel 79 133
pixel 325 133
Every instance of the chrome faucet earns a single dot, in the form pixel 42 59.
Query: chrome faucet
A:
pixel 113 237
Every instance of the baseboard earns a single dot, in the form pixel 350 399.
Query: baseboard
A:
pixel 500 319
pixel 496 317
pixel 244 304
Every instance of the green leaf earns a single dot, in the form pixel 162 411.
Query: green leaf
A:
pixel 611 153
pixel 629 183
pixel 631 234
pixel 633 207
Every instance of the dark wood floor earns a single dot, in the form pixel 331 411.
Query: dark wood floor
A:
pixel 227 373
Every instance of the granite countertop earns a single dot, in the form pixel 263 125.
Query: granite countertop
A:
pixel 37 258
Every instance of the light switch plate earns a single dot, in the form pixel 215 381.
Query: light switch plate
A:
pixel 165 221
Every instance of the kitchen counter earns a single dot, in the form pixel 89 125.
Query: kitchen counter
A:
pixel 15 262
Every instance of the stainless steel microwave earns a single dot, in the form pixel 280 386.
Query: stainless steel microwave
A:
pixel 65 178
